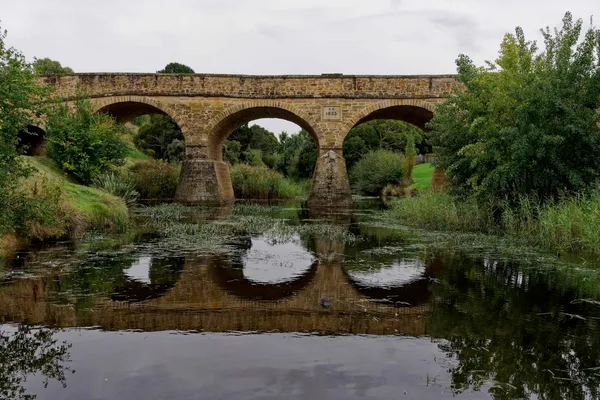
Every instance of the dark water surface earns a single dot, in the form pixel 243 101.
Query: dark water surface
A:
pixel 258 303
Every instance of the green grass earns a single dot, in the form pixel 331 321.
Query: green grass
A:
pixel 421 176
pixel 569 225
pixel 98 208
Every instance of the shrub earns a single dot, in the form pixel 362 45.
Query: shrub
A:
pixel 259 182
pixel 376 170
pixel 114 184
pixel 526 125
pixel 83 142
pixel 154 179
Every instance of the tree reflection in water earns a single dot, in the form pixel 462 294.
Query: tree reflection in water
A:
pixel 519 331
pixel 30 351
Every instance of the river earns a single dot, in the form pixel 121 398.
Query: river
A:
pixel 257 302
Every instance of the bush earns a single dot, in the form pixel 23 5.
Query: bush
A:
pixel 83 142
pixel 114 184
pixel 526 125
pixel 376 170
pixel 259 182
pixel 154 179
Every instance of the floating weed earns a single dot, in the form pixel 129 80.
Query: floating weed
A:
pixel 167 212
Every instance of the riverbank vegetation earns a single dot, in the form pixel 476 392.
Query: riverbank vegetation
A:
pixel 520 146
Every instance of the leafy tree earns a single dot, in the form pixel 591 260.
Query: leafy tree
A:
pixel 381 134
pixel 376 170
pixel 176 68
pixel 250 138
pixel 46 67
pixel 232 150
pixel 84 142
pixel 526 125
pixel 298 155
pixel 20 104
pixel 161 138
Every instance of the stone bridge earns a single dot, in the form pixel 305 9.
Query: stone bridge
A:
pixel 208 108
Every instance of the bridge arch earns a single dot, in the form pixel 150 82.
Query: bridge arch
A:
pixel 413 111
pixel 125 108
pixel 224 123
pixel 32 140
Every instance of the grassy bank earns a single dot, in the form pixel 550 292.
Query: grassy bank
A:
pixel 571 225
pixel 421 176
pixel 83 207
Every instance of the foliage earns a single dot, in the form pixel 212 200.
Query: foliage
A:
pixel 259 182
pixel 26 352
pixel 298 155
pixel 526 125
pixel 242 143
pixel 114 184
pixel 20 105
pixel 176 68
pixel 48 67
pixel 83 142
pixel 376 170
pixel 570 224
pixel 154 179
pixel 381 134
pixel 160 137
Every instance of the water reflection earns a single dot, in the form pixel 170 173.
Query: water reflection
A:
pixel 27 351
pixel 264 269
pixel 507 328
pixel 147 278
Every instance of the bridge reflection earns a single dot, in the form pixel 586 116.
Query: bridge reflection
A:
pixel 264 285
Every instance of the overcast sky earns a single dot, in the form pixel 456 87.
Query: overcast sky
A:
pixel 275 36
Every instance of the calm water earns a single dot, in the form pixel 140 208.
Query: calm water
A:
pixel 297 306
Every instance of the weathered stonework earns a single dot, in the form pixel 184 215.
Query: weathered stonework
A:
pixel 208 108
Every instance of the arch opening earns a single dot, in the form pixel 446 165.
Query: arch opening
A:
pixel 228 125
pixel 154 131
pixel 398 129
pixel 32 141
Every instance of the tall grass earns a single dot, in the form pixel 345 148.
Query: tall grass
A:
pixel 260 182
pixel 571 224
pixel 441 211
pixel 114 184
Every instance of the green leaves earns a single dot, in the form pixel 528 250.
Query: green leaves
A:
pixel 527 123
pixel 83 142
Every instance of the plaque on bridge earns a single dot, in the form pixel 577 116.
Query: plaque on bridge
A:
pixel 331 113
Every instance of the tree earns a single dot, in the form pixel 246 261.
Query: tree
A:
pixel 46 67
pixel 526 125
pixel 20 105
pixel 298 155
pixel 176 68
pixel 161 138
pixel 84 142
pixel 251 138
pixel 381 134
